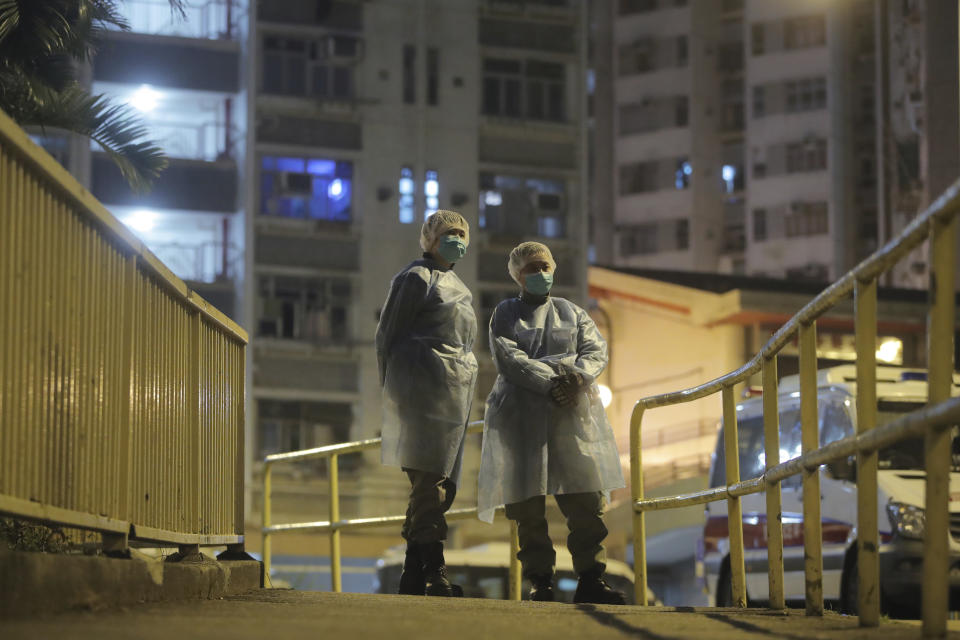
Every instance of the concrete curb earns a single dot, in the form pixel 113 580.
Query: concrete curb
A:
pixel 36 583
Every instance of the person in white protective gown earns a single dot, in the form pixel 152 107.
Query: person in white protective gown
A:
pixel 428 371
pixel 545 430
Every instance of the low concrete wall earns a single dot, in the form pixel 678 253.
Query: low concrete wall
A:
pixel 36 583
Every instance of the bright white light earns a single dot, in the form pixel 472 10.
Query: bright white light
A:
pixel 141 220
pixel 606 396
pixel 335 190
pixel 145 98
pixel 406 185
pixel 889 350
pixel 492 198
pixel 729 172
pixel 431 188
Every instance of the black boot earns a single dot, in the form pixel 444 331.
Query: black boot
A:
pixel 435 572
pixel 541 588
pixel 592 589
pixel 412 582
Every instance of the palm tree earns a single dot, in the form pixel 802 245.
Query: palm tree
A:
pixel 41 41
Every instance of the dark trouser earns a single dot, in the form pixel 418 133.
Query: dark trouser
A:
pixel 431 495
pixel 584 513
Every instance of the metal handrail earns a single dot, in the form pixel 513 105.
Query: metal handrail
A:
pixel 939 223
pixel 335 524
pixel 104 353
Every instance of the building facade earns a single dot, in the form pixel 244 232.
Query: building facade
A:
pixel 745 133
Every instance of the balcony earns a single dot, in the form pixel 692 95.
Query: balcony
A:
pixel 211 20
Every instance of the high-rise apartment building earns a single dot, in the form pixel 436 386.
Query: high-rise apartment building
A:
pixel 744 134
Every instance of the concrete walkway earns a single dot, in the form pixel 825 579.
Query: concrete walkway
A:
pixel 290 615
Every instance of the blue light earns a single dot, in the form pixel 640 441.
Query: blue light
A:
pixel 335 190
pixel 405 186
pixel 320 167
pixel 913 375
pixel 291 165
pixel 729 172
pixel 687 169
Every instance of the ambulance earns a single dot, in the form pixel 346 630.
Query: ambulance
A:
pixel 900 498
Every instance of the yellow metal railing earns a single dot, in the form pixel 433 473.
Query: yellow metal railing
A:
pixel 121 391
pixel 335 525
pixel 939 224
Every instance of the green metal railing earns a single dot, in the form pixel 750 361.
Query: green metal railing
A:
pixel 938 224
pixel 335 524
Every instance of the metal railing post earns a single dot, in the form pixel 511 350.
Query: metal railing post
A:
pixel 515 577
pixel 938 450
pixel 267 542
pixel 868 558
pixel 731 452
pixel 639 525
pixel 334 520
pixel 810 441
pixel 771 440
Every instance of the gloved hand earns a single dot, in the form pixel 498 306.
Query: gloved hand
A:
pixel 566 388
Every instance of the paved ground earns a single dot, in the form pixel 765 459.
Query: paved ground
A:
pixel 282 615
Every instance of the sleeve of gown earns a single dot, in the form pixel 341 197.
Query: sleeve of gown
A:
pixel 512 362
pixel 591 347
pixel 408 291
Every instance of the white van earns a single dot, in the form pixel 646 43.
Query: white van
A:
pixel 483 572
pixel 900 499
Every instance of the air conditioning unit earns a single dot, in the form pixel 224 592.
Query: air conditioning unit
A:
pixel 549 203
pixel 296 183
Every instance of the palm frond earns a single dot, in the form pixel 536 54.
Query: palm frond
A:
pixel 115 127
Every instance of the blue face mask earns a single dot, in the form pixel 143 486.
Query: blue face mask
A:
pixel 539 283
pixel 452 248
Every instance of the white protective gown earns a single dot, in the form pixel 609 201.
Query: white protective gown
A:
pixel 531 446
pixel 427 368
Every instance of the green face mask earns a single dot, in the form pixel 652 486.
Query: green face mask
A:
pixel 539 283
pixel 452 248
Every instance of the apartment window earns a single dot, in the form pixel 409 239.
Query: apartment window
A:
pixel 532 89
pixel 759 225
pixel 310 188
pixel 406 187
pixel 683 172
pixel 519 206
pixel 639 177
pixel 810 155
pixel 431 193
pixel 758 39
pixel 806 219
pixel 681 111
pixel 683 234
pixel 731 96
pixel 807 94
pixel 637 57
pixel 759 101
pixel 433 76
pixel 639 240
pixel 313 310
pixel 409 74
pixel 805 32
pixel 682 53
pixel 291 425
pixel 637 6
pixel 320 67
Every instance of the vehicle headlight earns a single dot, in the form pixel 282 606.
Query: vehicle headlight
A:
pixel 907 520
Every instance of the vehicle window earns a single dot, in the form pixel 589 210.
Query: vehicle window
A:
pixel 835 422
pixel 907 454
pixel 751 443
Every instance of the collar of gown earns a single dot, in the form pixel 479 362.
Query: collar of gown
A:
pixel 532 298
pixel 434 264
